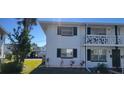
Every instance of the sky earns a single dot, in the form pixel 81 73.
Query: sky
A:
pixel 37 32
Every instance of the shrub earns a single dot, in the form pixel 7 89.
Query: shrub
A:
pixel 102 68
pixel 8 56
pixel 11 68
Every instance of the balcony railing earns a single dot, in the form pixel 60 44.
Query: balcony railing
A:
pixel 103 40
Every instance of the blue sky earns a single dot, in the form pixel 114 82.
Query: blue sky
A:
pixel 37 32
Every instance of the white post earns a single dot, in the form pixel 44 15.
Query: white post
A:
pixel 122 67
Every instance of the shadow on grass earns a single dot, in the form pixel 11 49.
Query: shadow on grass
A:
pixel 11 68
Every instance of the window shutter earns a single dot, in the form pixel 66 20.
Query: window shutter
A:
pixel 74 52
pixel 58 52
pixel 58 30
pixel 88 30
pixel 75 30
pixel 88 54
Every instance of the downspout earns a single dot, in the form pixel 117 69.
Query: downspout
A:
pixel 116 36
pixel 85 46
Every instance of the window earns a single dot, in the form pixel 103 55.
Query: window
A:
pixel 67 31
pixel 96 31
pixel 66 53
pixel 97 55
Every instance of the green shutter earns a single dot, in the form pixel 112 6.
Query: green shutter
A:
pixel 75 30
pixel 88 54
pixel 74 52
pixel 58 52
pixel 88 30
pixel 58 30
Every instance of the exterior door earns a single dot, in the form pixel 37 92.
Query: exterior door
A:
pixel 116 58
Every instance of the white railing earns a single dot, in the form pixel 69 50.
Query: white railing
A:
pixel 104 40
pixel 100 39
pixel 121 39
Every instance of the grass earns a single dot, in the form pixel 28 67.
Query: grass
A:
pixel 30 65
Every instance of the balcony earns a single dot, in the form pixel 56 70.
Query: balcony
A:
pixel 103 40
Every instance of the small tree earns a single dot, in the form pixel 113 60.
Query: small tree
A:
pixel 21 39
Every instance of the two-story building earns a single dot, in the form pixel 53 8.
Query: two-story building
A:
pixel 2 42
pixel 76 44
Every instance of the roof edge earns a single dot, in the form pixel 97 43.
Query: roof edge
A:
pixel 3 29
pixel 82 23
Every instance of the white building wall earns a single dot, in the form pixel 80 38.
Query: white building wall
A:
pixel 110 30
pixel 55 41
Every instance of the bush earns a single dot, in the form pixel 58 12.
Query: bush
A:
pixel 11 68
pixel 102 68
pixel 8 56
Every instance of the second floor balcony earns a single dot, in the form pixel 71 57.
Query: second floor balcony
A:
pixel 104 40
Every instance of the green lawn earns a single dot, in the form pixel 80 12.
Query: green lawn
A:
pixel 30 65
